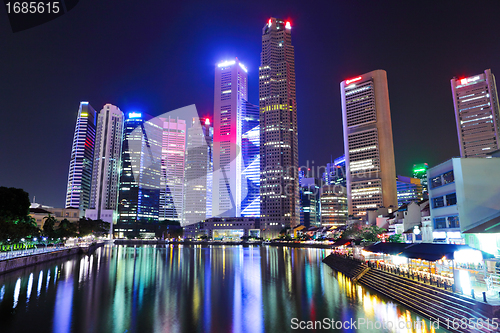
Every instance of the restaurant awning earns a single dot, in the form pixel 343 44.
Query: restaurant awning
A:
pixel 387 248
pixel 434 252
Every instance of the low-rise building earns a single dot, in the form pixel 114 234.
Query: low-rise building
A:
pixel 464 202
pixel 224 228
pixel 40 212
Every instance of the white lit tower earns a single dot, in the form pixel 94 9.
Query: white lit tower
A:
pixel 368 145
pixel 107 163
pixel 279 184
pixel 172 168
pixel 82 157
pixel 230 94
pixel 477 114
pixel 197 170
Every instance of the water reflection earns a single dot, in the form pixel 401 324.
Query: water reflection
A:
pixel 190 289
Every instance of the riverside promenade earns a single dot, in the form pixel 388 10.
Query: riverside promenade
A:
pixel 12 260
pixel 455 312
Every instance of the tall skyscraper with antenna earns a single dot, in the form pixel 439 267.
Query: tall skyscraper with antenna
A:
pixel 279 156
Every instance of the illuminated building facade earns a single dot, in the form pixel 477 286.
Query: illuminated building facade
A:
pixel 368 145
pixel 420 172
pixel 409 190
pixel 198 168
pixel 477 114
pixel 82 158
pixel 107 162
pixel 333 200
pixel 310 214
pixel 172 168
pixel 139 191
pixel 250 150
pixel 236 144
pixel 279 183
pixel 335 172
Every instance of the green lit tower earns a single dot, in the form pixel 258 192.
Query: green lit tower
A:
pixel 420 172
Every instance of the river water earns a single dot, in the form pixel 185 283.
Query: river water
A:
pixel 178 288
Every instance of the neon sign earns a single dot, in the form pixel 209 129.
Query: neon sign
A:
pixel 288 25
pixel 348 82
pixel 135 115
pixel 469 80
pixel 226 63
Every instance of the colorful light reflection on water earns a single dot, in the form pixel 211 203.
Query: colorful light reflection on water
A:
pixel 189 289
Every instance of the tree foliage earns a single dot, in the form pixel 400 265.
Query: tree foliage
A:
pixel 15 222
pixel 368 234
pixel 87 227
pixel 396 238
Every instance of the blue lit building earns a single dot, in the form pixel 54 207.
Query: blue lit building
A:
pixel 310 202
pixel 139 191
pixel 409 190
pixel 335 172
pixel 250 149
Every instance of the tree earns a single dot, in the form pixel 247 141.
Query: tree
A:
pixel 66 229
pixel 14 204
pixel 88 227
pixel 48 225
pixel 396 238
pixel 371 233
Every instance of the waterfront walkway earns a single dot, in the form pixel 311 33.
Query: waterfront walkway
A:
pixel 34 251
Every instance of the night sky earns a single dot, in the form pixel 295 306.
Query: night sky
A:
pixel 156 56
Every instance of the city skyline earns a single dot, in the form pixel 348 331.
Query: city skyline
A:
pixel 415 73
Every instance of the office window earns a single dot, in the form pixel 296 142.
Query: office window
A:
pixel 436 181
pixel 437 202
pixel 451 199
pixel 440 223
pixel 453 222
pixel 448 177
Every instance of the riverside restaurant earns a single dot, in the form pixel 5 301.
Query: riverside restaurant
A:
pixel 452 266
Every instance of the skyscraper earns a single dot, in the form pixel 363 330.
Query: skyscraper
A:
pixel 107 162
pixel 197 171
pixel 368 145
pixel 172 168
pixel 309 202
pixel 250 151
pixel 335 172
pixel 409 190
pixel 236 144
pixel 82 158
pixel 279 157
pixel 139 192
pixel 477 114
pixel 333 201
pixel 420 172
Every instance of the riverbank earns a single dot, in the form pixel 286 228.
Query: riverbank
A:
pixel 430 301
pixel 12 264
pixel 245 243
